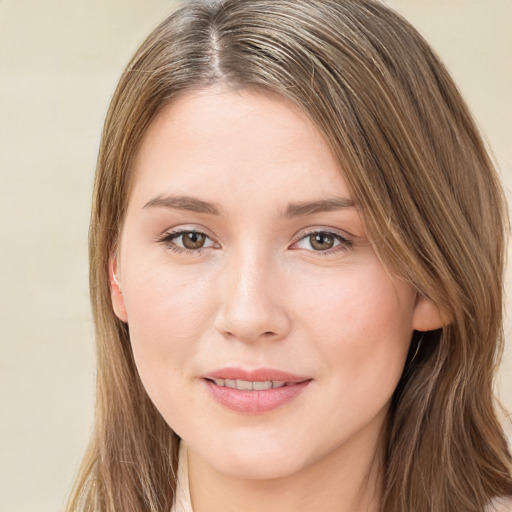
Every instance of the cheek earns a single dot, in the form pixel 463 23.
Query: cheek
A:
pixel 168 312
pixel 362 323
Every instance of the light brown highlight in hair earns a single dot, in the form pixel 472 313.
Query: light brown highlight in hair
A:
pixel 431 202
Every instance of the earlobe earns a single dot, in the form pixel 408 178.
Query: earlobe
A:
pixel 427 316
pixel 116 292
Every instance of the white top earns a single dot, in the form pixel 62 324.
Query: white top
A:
pixel 182 499
pixel 182 502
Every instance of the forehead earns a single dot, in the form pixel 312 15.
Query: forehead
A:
pixel 236 145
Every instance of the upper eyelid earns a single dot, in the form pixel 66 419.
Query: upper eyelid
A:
pixel 298 236
pixel 342 235
pixel 180 230
pixel 330 231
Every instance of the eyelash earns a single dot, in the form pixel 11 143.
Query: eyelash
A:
pixel 344 245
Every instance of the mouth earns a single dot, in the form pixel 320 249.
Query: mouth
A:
pixel 254 391
pixel 247 385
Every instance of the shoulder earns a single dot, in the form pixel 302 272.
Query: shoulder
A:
pixel 500 505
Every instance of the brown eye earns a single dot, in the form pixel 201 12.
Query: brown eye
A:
pixel 321 241
pixel 189 242
pixel 193 240
pixel 324 243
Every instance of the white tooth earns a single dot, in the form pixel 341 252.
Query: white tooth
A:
pixel 219 382
pixel 229 383
pixel 260 386
pixel 278 383
pixel 244 385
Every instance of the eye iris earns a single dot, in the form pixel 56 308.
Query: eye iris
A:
pixel 192 240
pixel 321 241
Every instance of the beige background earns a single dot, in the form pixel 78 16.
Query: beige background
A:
pixel 59 62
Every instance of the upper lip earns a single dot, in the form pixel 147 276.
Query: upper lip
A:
pixel 257 375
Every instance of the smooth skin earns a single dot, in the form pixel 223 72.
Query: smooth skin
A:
pixel 249 281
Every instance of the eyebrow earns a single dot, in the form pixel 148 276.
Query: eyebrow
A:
pixel 323 205
pixel 187 203
pixel 293 210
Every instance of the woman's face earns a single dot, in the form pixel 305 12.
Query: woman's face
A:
pixel 242 255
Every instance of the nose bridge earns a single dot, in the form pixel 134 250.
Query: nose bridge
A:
pixel 249 292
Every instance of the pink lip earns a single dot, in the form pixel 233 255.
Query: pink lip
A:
pixel 260 374
pixel 255 402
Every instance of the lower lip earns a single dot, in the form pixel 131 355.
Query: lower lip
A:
pixel 255 402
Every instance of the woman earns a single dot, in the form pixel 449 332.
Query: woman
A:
pixel 297 250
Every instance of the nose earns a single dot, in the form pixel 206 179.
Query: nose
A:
pixel 252 303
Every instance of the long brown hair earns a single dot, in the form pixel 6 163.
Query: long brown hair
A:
pixel 430 199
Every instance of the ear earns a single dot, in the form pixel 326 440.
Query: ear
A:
pixel 427 316
pixel 116 292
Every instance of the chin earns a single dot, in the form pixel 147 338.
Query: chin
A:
pixel 268 459
pixel 259 468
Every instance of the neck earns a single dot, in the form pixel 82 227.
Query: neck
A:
pixel 348 479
